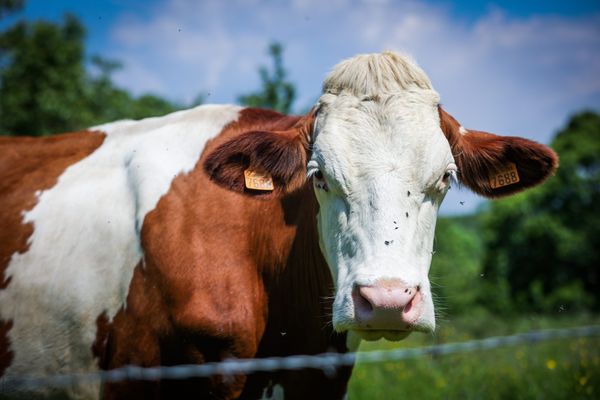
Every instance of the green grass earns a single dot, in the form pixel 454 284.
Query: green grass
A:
pixel 558 369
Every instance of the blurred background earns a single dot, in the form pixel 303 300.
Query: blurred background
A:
pixel 527 68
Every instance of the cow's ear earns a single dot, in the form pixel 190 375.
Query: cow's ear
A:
pixel 496 166
pixel 262 162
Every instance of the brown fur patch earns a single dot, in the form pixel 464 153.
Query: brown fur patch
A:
pixel 300 295
pixel 480 154
pixel 99 346
pixel 6 355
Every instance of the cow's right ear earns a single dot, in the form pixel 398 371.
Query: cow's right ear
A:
pixel 496 166
pixel 261 162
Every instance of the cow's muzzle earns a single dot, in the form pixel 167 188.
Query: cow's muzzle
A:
pixel 388 305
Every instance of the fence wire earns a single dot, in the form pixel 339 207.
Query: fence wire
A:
pixel 327 362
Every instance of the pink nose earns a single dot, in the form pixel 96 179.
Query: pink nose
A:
pixel 387 305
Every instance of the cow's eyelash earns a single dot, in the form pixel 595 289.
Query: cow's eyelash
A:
pixel 311 169
pixel 451 175
pixel 311 172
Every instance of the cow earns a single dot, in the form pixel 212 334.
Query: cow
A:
pixel 228 232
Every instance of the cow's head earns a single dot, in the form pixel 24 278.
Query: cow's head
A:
pixel 381 154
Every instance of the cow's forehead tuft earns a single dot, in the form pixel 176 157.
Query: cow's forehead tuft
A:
pixel 376 74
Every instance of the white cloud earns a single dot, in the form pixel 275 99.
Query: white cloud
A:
pixel 187 46
pixel 499 73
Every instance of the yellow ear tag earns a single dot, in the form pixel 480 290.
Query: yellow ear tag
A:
pixel 258 180
pixel 504 177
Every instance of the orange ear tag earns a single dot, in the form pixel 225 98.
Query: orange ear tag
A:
pixel 258 180
pixel 504 177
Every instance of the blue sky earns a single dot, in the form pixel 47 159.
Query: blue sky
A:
pixel 510 67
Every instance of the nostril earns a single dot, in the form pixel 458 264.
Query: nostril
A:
pixel 366 303
pixel 408 306
pixel 362 306
pixel 413 308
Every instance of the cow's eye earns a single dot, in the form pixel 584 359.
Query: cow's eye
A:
pixel 450 176
pixel 319 180
pixel 451 172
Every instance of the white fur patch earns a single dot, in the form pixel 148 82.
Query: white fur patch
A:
pixel 462 130
pixel 85 243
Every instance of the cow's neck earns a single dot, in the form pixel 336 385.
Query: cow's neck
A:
pixel 300 295
pixel 300 289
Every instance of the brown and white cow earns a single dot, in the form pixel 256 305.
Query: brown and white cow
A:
pixel 142 242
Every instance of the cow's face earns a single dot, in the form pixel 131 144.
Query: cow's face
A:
pixel 381 155
pixel 380 167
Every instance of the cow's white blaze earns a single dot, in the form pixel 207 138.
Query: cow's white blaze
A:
pixel 381 167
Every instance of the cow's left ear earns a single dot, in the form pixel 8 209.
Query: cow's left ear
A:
pixel 496 166
pixel 262 162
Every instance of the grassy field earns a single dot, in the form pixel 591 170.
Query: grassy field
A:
pixel 559 369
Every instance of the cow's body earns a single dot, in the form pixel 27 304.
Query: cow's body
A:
pixel 137 242
pixel 87 283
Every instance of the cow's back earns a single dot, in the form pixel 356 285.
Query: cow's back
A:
pixel 71 210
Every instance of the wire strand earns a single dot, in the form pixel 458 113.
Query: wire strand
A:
pixel 327 362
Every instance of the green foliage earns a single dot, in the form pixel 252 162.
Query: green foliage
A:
pixel 559 369
pixel 106 102
pixel 456 265
pixel 277 93
pixel 45 87
pixel 42 77
pixel 10 6
pixel 150 105
pixel 542 245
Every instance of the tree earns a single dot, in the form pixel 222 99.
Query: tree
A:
pixel 45 87
pixel 277 93
pixel 106 102
pixel 9 6
pixel 542 245
pixel 42 77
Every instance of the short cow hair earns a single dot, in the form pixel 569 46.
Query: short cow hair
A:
pixel 376 74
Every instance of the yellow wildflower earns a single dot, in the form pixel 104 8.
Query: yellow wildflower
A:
pixel 551 364
pixel 440 382
pixel 520 354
